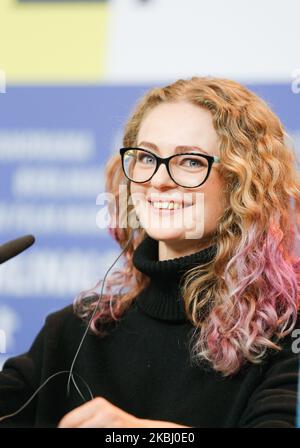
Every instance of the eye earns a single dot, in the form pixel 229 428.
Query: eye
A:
pixel 195 162
pixel 145 158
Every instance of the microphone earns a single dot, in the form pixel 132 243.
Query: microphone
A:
pixel 15 247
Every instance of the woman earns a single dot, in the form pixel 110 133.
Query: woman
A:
pixel 197 329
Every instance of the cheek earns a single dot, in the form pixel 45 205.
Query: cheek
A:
pixel 131 187
pixel 137 196
pixel 214 198
pixel 136 188
pixel 133 192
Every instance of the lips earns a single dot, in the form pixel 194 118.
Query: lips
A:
pixel 168 206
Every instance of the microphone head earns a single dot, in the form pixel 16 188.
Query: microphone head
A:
pixel 15 247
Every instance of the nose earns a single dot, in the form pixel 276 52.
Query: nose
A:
pixel 162 178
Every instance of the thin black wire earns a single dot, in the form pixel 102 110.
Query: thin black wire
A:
pixel 93 314
pixel 70 372
pixel 40 387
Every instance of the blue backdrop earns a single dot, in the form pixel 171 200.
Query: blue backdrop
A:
pixel 54 144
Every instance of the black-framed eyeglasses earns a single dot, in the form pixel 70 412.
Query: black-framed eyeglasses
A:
pixel 188 170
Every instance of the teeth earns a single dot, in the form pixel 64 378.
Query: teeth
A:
pixel 166 205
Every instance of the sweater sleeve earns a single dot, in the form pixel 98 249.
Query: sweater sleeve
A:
pixel 22 375
pixel 19 379
pixel 273 404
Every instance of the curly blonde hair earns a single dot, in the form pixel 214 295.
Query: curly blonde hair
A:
pixel 251 287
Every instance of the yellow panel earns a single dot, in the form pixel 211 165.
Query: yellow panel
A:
pixel 52 42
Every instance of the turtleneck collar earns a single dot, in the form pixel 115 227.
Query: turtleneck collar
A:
pixel 161 299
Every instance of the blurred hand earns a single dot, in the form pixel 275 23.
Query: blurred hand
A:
pixel 100 413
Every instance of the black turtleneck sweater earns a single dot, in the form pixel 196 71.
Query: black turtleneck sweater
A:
pixel 143 364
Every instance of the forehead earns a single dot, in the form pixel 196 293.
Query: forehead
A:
pixel 180 123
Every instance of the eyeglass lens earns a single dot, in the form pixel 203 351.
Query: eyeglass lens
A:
pixel 186 170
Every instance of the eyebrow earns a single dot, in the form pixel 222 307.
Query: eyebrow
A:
pixel 177 149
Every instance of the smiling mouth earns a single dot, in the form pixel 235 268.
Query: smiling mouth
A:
pixel 167 206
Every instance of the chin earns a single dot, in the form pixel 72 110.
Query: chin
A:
pixel 165 234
